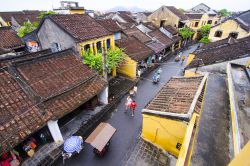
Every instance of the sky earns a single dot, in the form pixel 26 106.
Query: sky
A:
pixel 102 5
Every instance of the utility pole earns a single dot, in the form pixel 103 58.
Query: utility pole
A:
pixel 105 93
pixel 104 61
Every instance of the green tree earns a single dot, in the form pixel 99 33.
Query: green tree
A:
pixel 205 40
pixel 27 28
pixel 224 13
pixel 114 58
pixel 186 34
pixel 45 13
pixel 204 30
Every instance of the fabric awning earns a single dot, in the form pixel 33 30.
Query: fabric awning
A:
pixel 101 136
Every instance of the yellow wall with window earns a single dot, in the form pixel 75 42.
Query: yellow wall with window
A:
pixel 79 11
pixel 227 27
pixel 165 133
pixel 93 43
pixel 128 67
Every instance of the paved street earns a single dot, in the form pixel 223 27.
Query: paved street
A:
pixel 128 128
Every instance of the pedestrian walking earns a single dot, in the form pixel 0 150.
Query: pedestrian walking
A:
pixel 131 92
pixel 182 59
pixel 139 73
pixel 135 90
pixel 128 103
pixel 133 106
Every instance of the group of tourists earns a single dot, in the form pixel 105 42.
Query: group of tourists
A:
pixel 131 103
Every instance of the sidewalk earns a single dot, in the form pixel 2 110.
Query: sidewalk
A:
pixel 82 124
pixel 146 154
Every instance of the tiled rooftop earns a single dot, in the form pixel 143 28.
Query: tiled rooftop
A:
pixel 164 39
pixel 176 96
pixel 178 13
pixel 80 26
pixel 138 34
pixel 110 25
pixel 8 60
pixel 194 16
pixel 126 16
pixel 42 88
pixel 134 48
pixel 150 25
pixel 221 52
pixel 156 46
pixel 171 29
pixel 9 39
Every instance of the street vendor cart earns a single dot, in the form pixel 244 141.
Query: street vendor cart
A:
pixel 100 138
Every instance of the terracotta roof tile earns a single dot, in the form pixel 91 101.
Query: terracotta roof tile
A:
pixel 9 39
pixel 30 98
pixel 156 46
pixel 134 48
pixel 82 27
pixel 194 16
pixel 171 29
pixel 126 16
pixel 176 96
pixel 110 25
pixel 21 18
pixel 138 34
pixel 150 25
pixel 220 53
pixel 8 60
pixel 164 39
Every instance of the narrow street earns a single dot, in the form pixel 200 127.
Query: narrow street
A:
pixel 128 127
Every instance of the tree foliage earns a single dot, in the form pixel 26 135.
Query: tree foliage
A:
pixel 45 13
pixel 114 58
pixel 27 28
pixel 186 33
pixel 205 40
pixel 224 13
pixel 204 30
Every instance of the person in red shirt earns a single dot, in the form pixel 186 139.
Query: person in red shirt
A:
pixel 133 105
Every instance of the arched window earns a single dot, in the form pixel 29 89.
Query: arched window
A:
pixel 218 33
pixel 86 47
pixel 108 43
pixel 99 47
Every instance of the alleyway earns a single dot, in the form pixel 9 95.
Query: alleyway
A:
pixel 128 127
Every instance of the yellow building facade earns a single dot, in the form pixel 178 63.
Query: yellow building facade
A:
pixel 93 44
pixel 157 130
pixel 196 24
pixel 226 28
pixel 173 130
pixel 128 68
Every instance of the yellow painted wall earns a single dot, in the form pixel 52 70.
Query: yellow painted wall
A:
pixel 190 58
pixel 77 11
pixel 3 23
pixel 191 74
pixel 94 41
pixel 163 132
pixel 201 22
pixel 248 64
pixel 128 67
pixel 243 158
pixel 186 148
pixel 226 28
pixel 163 14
